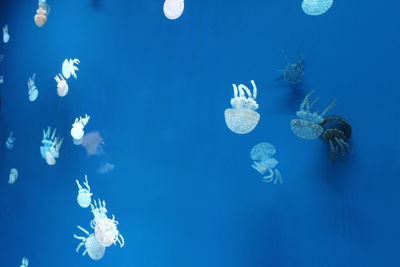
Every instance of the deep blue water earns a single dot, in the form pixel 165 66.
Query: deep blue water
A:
pixel 183 189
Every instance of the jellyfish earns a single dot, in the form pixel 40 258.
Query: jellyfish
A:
pixel 32 90
pixel 293 73
pixel 62 85
pixel 242 117
pixel 51 146
pixel 68 68
pixel 84 196
pixel 105 168
pixel 6 36
pixel 316 7
pixel 1 79
pixel 173 9
pixel 13 176
pixel 10 141
pixel 77 131
pixel 1 58
pixel 41 13
pixel 93 142
pixel 263 161
pixel 336 132
pixel 92 247
pixel 308 126
pixel 25 262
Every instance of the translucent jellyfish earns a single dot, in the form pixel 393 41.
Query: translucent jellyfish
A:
pixel 13 176
pixel 1 58
pixel 316 7
pixel 242 117
pixel 24 262
pixel 93 142
pixel 62 85
pixel 84 196
pixel 1 79
pixel 77 130
pixel 68 68
pixel 51 146
pixel 307 127
pixel 293 73
pixel 32 90
pixel 92 247
pixel 105 168
pixel 41 13
pixel 10 141
pixel 6 36
pixel 173 9
pixel 337 131
pixel 262 155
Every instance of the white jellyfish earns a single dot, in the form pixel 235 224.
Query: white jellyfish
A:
pixel 263 161
pixel 242 117
pixel 308 126
pixel 62 85
pixel 51 146
pixel 84 196
pixel 105 168
pixel 32 90
pixel 1 79
pixel 13 176
pixel 24 262
pixel 68 68
pixel 10 141
pixel 316 7
pixel 6 36
pixel 77 130
pixel 92 247
pixel 173 9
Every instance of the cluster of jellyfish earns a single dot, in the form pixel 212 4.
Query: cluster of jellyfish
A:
pixel 105 229
pixel 68 69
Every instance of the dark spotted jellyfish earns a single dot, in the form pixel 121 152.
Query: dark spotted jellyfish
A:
pixel 316 7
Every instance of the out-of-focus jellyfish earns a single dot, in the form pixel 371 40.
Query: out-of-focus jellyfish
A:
pixel 10 141
pixel 316 7
pixel 62 85
pixel 77 130
pixel 41 13
pixel 263 161
pixel 1 58
pixel 32 90
pixel 6 36
pixel 293 73
pixel 308 126
pixel 242 117
pixel 84 196
pixel 25 262
pixel 92 247
pixel 173 9
pixel 51 146
pixel 68 68
pixel 93 142
pixel 105 168
pixel 1 79
pixel 337 131
pixel 13 176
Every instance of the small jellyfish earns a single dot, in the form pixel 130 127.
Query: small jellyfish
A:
pixel 336 132
pixel 68 68
pixel 105 168
pixel 316 7
pixel 6 36
pixel 25 262
pixel 62 85
pixel 51 146
pixel 242 117
pixel 10 141
pixel 13 176
pixel 308 126
pixel 99 211
pixel 293 73
pixel 84 196
pixel 262 155
pixel 41 13
pixel 1 79
pixel 173 9
pixel 32 90
pixel 93 142
pixel 77 130
pixel 1 58
pixel 92 247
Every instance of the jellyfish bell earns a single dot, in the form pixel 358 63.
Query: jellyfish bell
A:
pixel 262 151
pixel 62 88
pixel 84 198
pixel 241 121
pixel 106 232
pixel 77 142
pixel 306 129
pixel 95 250
pixel 50 159
pixel 66 69
pixel 294 73
pixel 33 95
pixel 40 17
pixel 77 131
pixel 316 7
pixel 173 9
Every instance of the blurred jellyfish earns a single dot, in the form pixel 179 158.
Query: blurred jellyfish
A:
pixel 1 58
pixel 62 85
pixel 1 79
pixel 105 168
pixel 41 13
pixel 68 68
pixel 10 141
pixel 293 73
pixel 25 262
pixel 92 247
pixel 93 142
pixel 242 117
pixel 6 36
pixel 77 131
pixel 173 9
pixel 13 176
pixel 336 132
pixel 84 196
pixel 32 90
pixel 51 146
pixel 263 161
pixel 316 7
pixel 307 127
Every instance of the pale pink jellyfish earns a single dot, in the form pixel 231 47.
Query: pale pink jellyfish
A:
pixel 106 232
pixel 93 143
pixel 62 85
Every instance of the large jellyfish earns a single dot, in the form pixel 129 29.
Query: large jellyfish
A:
pixel 13 176
pixel 336 132
pixel 62 85
pixel 10 141
pixel 92 247
pixel 307 127
pixel 25 262
pixel 242 117
pixel 293 73
pixel 6 36
pixel 41 13
pixel 263 161
pixel 51 146
pixel 68 68
pixel 84 196
pixel 77 130
pixel 32 90
pixel 93 142
pixel 316 7
pixel 173 9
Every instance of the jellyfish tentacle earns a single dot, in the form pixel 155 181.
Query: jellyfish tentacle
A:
pixel 246 89
pixel 278 176
pixel 254 89
pixel 235 90
pixel 329 107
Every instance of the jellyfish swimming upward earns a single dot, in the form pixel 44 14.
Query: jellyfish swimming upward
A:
pixel 6 35
pixel 10 141
pixel 316 7
pixel 293 73
pixel 25 262
pixel 263 161
pixel 50 150
pixel 41 13
pixel 242 118
pixel 32 90
pixel 13 176
pixel 62 85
